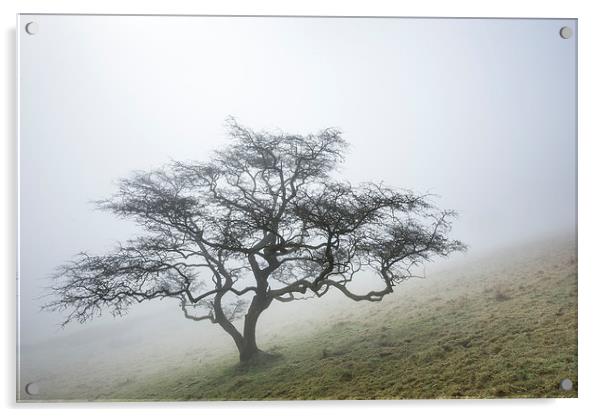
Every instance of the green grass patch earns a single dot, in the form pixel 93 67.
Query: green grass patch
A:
pixel 497 332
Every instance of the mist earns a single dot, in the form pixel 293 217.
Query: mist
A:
pixel 479 113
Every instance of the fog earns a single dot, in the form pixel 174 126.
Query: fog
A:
pixel 481 113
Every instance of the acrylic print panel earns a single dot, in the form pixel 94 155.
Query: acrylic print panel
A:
pixel 246 208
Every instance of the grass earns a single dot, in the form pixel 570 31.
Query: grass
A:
pixel 511 332
pixel 503 326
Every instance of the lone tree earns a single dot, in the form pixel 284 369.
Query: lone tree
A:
pixel 262 222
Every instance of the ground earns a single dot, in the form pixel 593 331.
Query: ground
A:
pixel 501 325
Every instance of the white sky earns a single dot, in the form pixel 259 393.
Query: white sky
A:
pixel 480 112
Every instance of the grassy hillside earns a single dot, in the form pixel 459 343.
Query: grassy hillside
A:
pixel 501 326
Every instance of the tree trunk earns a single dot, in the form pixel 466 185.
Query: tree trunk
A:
pixel 248 349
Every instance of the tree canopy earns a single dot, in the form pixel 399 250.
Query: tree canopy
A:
pixel 264 220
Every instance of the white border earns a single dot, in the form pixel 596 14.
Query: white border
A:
pixel 590 282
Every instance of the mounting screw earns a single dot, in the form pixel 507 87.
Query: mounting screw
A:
pixel 566 32
pixel 31 28
pixel 566 384
pixel 32 388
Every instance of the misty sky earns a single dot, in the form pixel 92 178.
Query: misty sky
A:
pixel 480 112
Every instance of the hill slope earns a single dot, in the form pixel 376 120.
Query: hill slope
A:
pixel 499 326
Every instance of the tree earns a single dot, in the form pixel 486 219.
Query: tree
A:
pixel 262 222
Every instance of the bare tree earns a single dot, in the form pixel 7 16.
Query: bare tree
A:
pixel 263 221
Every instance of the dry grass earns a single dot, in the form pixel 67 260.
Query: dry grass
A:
pixel 505 326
